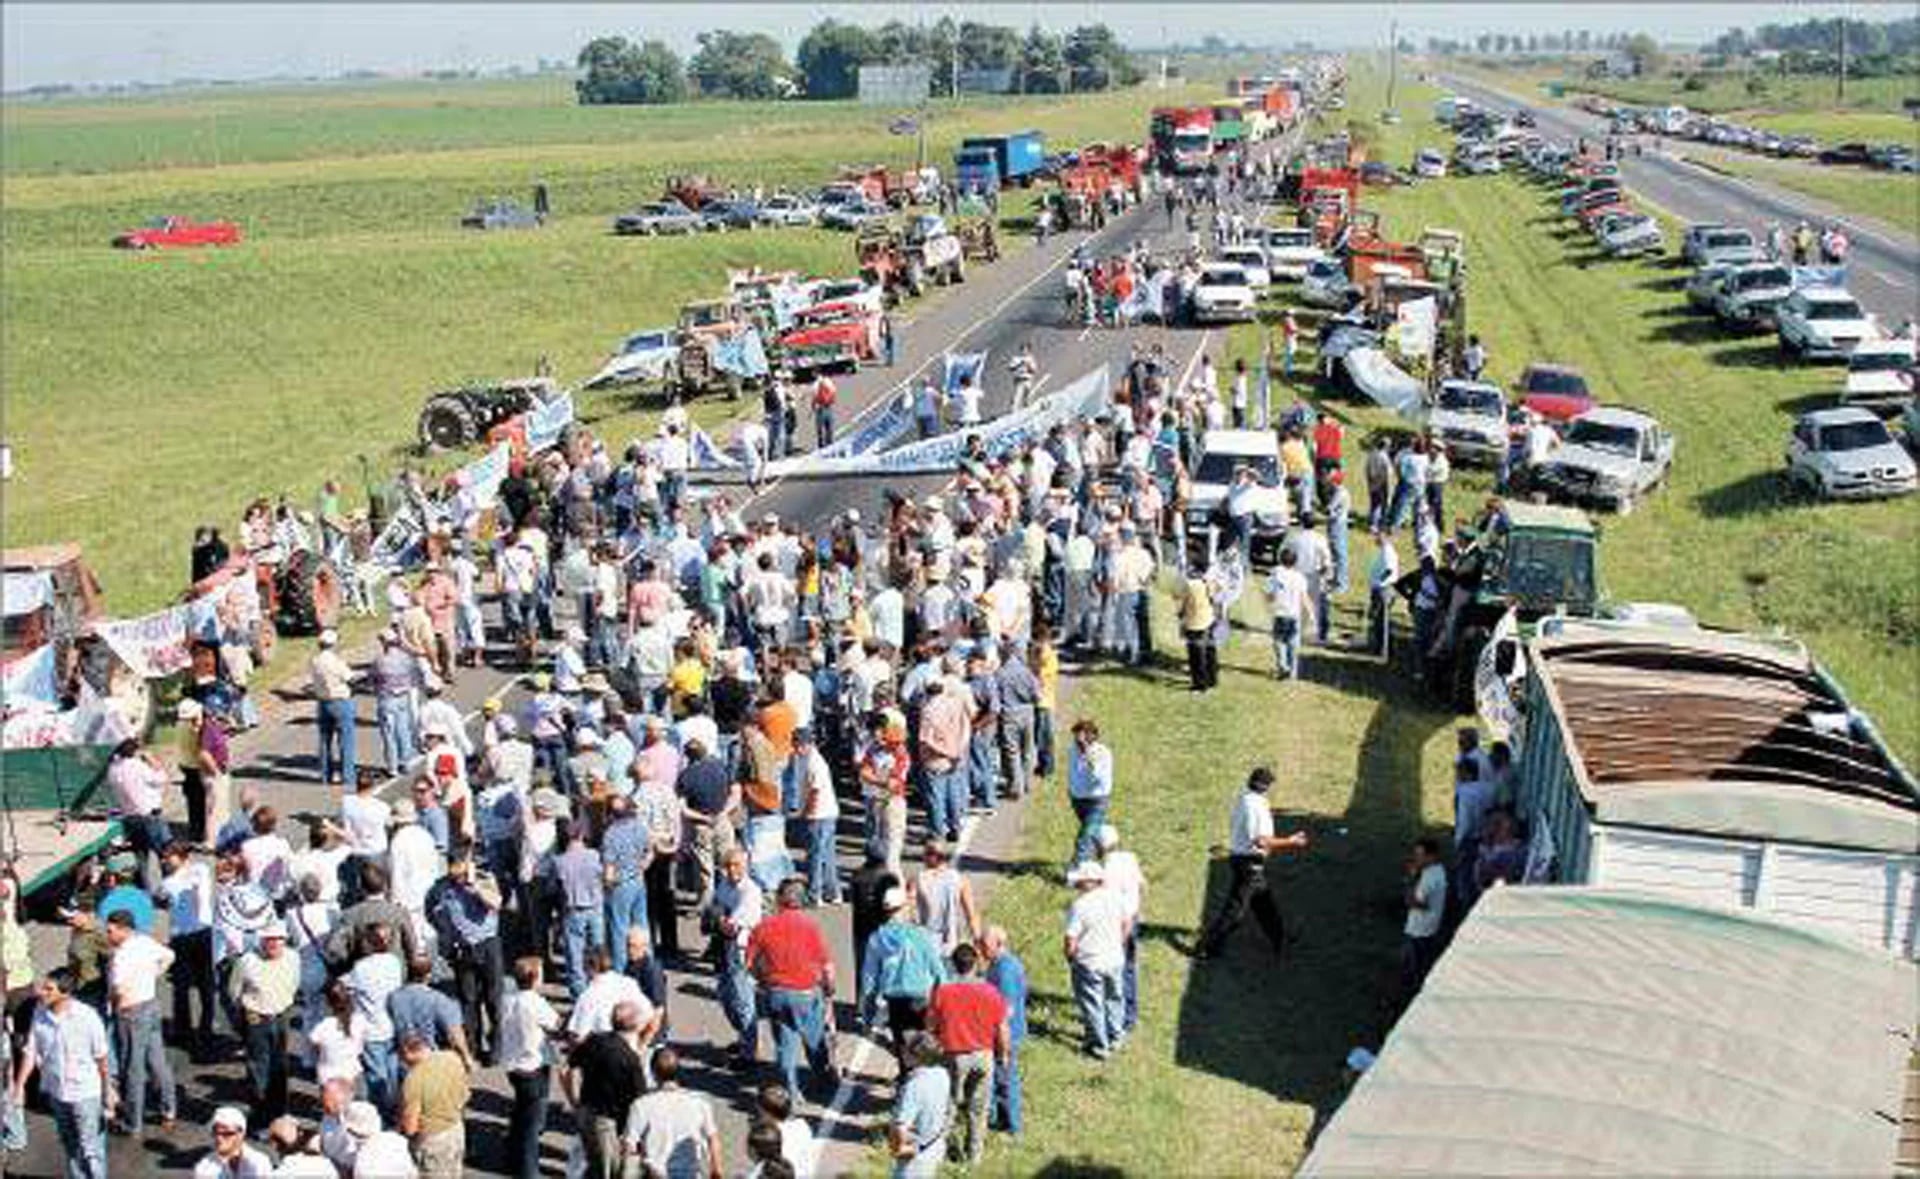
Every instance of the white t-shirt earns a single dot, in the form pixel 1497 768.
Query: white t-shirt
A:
pixel 593 1011
pixel 1287 593
pixel 189 893
pixel 1431 889
pixel 797 690
pixel 525 1022
pixel 385 1155
pixel 670 1128
pixel 796 1146
pixel 252 1164
pixel 323 864
pixel 1125 878
pixel 1252 822
pixel 966 405
pixel 414 863
pixel 364 818
pixel 137 966
pixel 817 798
pixel 1097 922
pixel 336 1051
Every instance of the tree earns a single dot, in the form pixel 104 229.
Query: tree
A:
pixel 829 58
pixel 1584 40
pixel 618 71
pixel 988 47
pixel 1484 43
pixel 1095 60
pixel 1645 54
pixel 943 54
pixel 739 65
pixel 1043 65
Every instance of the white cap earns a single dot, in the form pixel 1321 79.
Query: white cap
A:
pixel 893 899
pixel 273 929
pixel 329 637
pixel 362 1119
pixel 189 709
pixel 1107 836
pixel 230 1118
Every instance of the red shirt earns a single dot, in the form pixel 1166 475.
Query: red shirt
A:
pixel 787 952
pixel 966 1016
pixel 1327 437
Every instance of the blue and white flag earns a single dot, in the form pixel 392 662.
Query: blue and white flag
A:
pixel 547 421
pixel 956 367
pixel 707 454
pixel 29 681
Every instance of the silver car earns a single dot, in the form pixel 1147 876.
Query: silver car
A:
pixel 1470 419
pixel 1609 457
pixel 1847 453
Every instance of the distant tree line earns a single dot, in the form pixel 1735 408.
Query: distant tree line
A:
pixel 1813 46
pixel 827 62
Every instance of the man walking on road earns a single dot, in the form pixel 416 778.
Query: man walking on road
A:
pixel 138 963
pixel 969 1018
pixel 332 685
pixel 825 396
pixel 1095 947
pixel 1251 841
pixel 1089 785
pixel 793 971
pixel 68 1048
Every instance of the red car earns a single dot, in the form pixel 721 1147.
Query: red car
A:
pixel 839 334
pixel 168 232
pixel 1554 391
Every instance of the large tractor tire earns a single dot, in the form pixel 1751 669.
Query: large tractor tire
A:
pixel 309 593
pixel 447 423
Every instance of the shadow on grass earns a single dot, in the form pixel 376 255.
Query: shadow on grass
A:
pixel 1694 329
pixel 1079 1168
pixel 1765 355
pixel 1761 493
pixel 1806 403
pixel 1676 282
pixel 1284 1023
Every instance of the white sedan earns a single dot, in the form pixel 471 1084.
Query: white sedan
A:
pixel 786 209
pixel 1223 294
pixel 1847 454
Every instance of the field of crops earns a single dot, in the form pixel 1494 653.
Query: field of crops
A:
pixel 148 394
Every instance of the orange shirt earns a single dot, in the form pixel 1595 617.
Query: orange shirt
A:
pixel 778 720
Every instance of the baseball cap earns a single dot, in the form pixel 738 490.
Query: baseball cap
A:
pixel 1086 872
pixel 228 1117
pixel 362 1120
pixel 190 710
pixel 329 637
pixel 1107 836
pixel 894 899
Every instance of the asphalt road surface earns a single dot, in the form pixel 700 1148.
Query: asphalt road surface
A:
pixel 1883 267
pixel 1019 300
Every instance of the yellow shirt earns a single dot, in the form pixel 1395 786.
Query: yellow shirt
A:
pixel 1295 458
pixel 1196 608
pixel 1048 667
pixel 687 679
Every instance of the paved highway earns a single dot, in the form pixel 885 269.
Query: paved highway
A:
pixel 1884 266
pixel 1019 300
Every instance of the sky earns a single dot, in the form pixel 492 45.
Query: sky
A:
pixel 107 43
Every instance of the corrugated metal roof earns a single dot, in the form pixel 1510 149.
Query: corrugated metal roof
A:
pixel 1697 730
pixel 1576 1031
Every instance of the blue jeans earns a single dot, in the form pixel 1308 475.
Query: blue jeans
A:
pixel 799 1018
pixel 1043 742
pixel 1092 812
pixel 736 997
pixel 1403 497
pixel 83 1137
pixel 582 928
pixel 1286 647
pixel 626 908
pixel 398 742
pixel 822 427
pixel 823 862
pixel 336 722
pixel 1006 1094
pixel 946 801
pixel 1130 984
pixel 983 770
pixel 1126 630
pixel 1337 544
pixel 1102 1007
pixel 143 1055
pixel 381 1068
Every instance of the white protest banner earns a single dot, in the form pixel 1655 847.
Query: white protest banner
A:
pixel 1418 321
pixel 156 645
pixel 484 475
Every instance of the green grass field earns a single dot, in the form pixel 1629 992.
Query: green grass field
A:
pixel 1239 1060
pixel 147 394
pixel 1891 198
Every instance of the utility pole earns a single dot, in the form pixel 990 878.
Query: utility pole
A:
pixel 1393 59
pixel 1840 78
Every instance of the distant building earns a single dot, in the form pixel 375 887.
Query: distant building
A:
pixel 1614 65
pixel 895 85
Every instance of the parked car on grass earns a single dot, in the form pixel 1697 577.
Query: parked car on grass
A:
pixel 658 217
pixel 1632 234
pixel 1881 374
pixel 1703 286
pixel 1290 251
pixel 1608 457
pixel 1750 294
pixel 1223 453
pixel 1252 261
pixel 1223 294
pixel 172 232
pixel 1847 453
pixel 1325 285
pixel 1708 245
pixel 784 208
pixel 852 214
pixel 501 215
pixel 1470 419
pixel 1846 153
pixel 1822 323
pixel 1429 164
pixel 722 215
pixel 1557 392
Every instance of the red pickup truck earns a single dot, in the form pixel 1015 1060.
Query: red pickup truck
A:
pixel 167 232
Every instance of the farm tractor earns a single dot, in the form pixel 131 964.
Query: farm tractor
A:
pixel 462 417
pixel 705 326
pixel 897 262
pixel 693 190
pixel 64 619
pixel 979 239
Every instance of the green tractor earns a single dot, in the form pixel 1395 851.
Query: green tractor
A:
pixel 461 417
pixel 1531 561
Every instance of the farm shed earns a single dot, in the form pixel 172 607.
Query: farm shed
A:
pixel 1716 769
pixel 1588 1031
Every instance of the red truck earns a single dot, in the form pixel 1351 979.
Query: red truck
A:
pixel 171 232
pixel 1182 138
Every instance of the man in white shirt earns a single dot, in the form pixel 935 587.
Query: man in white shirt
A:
pixel 673 1130
pixel 364 818
pixel 188 891
pixel 1313 558
pixel 1126 879
pixel 605 990
pixel 414 862
pixel 137 964
pixel 1250 841
pixel 1381 575
pixel 68 1048
pixel 1426 908
pixel 820 812
pixel 966 403
pixel 1292 605
pixel 1095 947
pixel 378 1153
pixel 231 1156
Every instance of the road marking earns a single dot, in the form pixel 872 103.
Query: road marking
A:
pixel 863 1047
pixel 1198 352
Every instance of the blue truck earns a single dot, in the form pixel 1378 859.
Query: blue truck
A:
pixel 988 162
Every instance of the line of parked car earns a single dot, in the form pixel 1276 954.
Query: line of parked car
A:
pixel 1680 123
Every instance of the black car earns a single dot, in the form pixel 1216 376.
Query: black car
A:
pixel 1846 153
pixel 730 214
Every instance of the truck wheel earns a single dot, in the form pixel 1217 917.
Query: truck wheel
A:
pixel 446 423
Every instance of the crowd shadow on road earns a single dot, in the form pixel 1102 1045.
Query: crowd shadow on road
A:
pixel 1284 1020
